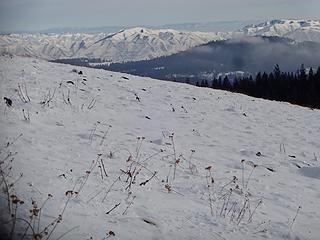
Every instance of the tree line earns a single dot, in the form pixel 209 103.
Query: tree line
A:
pixel 301 87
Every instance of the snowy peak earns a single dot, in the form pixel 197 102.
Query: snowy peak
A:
pixel 283 26
pixel 299 30
pixel 126 45
pixel 141 43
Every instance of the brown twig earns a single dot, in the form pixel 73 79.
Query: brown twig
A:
pixel 115 206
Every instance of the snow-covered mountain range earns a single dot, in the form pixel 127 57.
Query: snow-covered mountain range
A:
pixel 127 45
pixel 142 43
pixel 299 30
pixel 104 155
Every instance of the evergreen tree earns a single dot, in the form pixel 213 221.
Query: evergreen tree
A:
pixel 235 84
pixel 299 88
pixel 226 85
pixel 215 83
pixel 277 71
pixel 220 82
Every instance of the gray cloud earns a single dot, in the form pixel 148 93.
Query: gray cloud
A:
pixel 41 14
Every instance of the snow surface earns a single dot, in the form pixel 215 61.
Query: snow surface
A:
pixel 211 128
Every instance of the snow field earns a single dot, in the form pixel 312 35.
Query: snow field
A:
pixel 127 157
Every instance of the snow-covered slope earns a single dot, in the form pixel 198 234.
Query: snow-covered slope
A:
pixel 299 30
pixel 203 164
pixel 127 45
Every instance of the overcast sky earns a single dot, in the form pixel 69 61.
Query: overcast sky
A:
pixel 28 15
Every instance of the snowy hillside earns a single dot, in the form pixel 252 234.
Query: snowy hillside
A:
pixel 299 30
pixel 106 155
pixel 127 45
